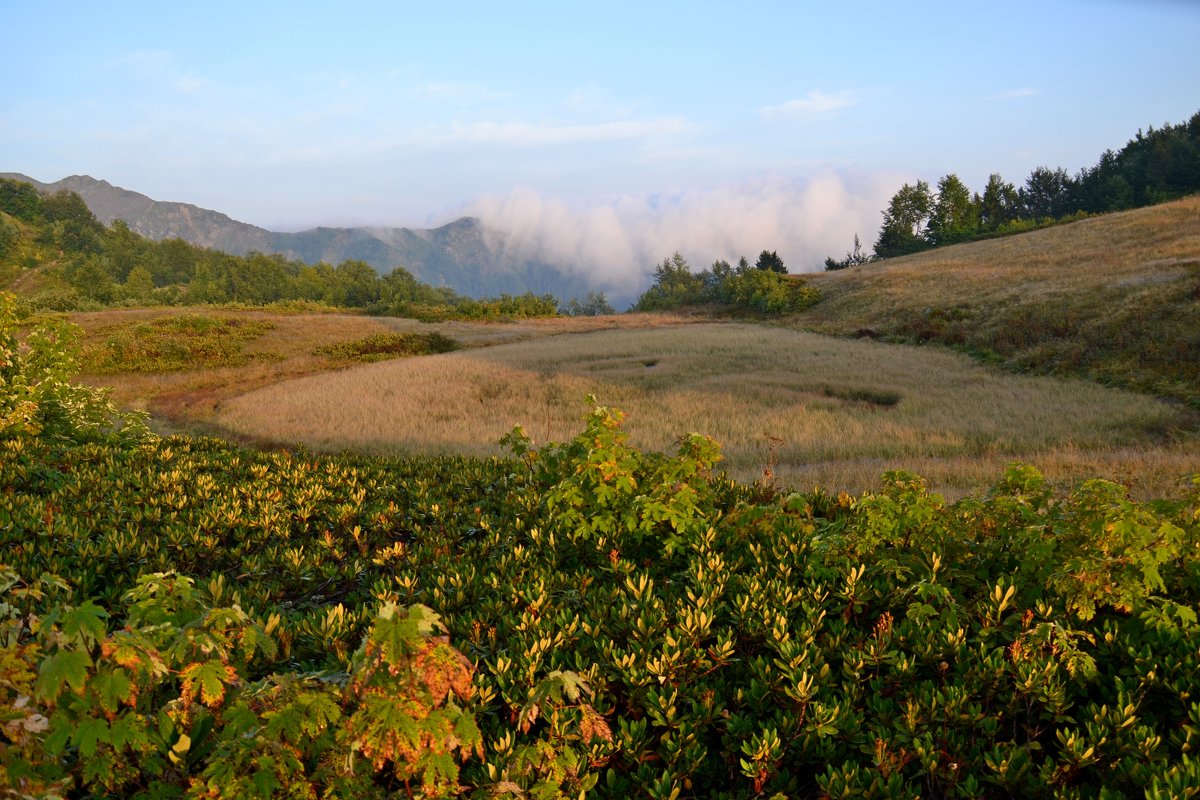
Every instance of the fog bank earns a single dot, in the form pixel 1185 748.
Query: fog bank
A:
pixel 616 243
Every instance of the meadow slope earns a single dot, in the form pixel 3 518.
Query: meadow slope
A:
pixel 1114 298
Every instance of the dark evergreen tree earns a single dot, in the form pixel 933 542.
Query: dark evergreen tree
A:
pixel 770 261
pixel 1000 203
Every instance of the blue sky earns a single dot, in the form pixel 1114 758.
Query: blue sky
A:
pixel 604 134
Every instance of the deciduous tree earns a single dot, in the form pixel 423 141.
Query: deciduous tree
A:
pixel 955 215
pixel 904 221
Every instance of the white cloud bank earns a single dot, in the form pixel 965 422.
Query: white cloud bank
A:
pixel 615 245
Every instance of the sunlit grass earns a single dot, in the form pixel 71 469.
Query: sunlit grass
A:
pixel 812 409
pixel 1114 298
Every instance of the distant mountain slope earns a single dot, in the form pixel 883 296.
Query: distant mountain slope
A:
pixel 454 255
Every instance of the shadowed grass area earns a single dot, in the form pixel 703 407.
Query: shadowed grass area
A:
pixel 1113 298
pixel 382 346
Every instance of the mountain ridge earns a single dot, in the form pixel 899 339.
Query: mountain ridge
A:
pixel 456 254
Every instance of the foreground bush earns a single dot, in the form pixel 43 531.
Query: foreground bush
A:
pixel 629 624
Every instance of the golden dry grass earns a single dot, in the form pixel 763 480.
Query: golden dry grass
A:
pixel 1114 298
pixel 773 397
pixel 186 401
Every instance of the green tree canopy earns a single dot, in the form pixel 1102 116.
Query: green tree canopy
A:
pixel 769 260
pixel 955 214
pixel 1000 203
pixel 904 221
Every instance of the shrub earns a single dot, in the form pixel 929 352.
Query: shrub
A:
pixel 37 397
pixel 173 343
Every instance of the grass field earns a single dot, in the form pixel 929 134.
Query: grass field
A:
pixel 812 409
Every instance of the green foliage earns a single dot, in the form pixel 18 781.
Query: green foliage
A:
pixel 248 624
pixel 170 344
pixel 9 234
pixel 176 701
pixel 770 261
pixel 1153 167
pixel 768 292
pixel 623 624
pixel 38 398
pixel 593 304
pixel 380 346
pixel 904 221
pixel 762 290
pixel 674 287
pixel 20 199
pixel 955 215
pixel 853 258
pixel 115 266
pixel 505 307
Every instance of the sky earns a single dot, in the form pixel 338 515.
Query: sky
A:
pixel 602 136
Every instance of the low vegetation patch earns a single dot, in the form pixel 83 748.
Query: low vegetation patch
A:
pixel 172 343
pixel 585 618
pixel 859 394
pixel 382 346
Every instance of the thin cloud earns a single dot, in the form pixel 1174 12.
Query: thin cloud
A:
pixel 596 101
pixel 815 102
pixel 527 134
pixel 1024 91
pixel 190 83
pixel 446 90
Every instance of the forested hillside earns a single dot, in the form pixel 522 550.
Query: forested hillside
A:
pixel 1154 166
pixel 61 258
pixel 456 255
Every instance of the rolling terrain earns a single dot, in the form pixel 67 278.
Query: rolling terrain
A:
pixel 1114 298
pixel 587 618
pixel 1106 300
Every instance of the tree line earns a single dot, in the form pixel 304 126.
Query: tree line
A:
pixel 87 265
pixel 1155 166
pixel 759 288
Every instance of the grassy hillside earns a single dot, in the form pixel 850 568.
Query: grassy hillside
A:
pixel 182 617
pixel 1113 298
